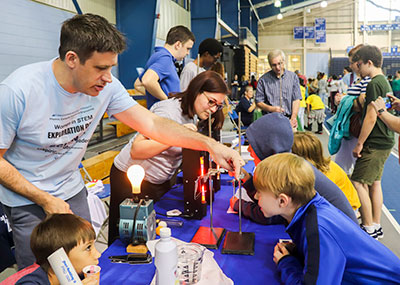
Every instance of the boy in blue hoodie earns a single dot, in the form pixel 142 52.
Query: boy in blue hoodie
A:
pixel 272 134
pixel 329 247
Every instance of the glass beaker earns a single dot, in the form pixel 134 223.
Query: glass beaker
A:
pixel 190 258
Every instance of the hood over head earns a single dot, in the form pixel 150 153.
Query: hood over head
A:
pixel 270 134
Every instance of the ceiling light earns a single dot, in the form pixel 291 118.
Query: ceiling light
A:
pixel 324 4
pixel 280 16
pixel 277 3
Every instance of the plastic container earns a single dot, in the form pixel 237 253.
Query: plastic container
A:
pixel 63 268
pixel 166 258
pixel 190 259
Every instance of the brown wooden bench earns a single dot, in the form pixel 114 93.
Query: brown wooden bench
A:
pixel 99 166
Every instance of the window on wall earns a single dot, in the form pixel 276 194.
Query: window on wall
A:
pixel 378 10
pixel 294 62
pixel 183 3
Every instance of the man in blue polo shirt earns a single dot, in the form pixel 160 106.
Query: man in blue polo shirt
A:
pixel 160 77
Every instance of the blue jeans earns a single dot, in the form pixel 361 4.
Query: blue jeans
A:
pixel 24 219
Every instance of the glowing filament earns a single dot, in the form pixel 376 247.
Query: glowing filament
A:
pixel 135 175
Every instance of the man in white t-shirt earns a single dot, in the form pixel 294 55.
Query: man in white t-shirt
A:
pixel 49 111
pixel 210 51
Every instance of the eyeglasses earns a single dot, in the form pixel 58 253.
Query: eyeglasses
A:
pixel 212 102
pixel 277 64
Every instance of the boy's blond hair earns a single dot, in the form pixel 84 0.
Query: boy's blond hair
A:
pixel 248 88
pixel 308 146
pixel 59 230
pixel 286 173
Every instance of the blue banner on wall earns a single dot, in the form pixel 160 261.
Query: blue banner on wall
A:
pixel 309 32
pixel 380 27
pixel 320 24
pixel 320 37
pixel 298 33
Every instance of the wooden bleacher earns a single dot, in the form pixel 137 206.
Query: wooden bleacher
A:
pixel 99 166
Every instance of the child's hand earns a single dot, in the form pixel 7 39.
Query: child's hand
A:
pixel 279 252
pixel 90 280
pixel 232 201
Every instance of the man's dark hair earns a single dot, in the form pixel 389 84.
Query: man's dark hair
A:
pixel 179 34
pixel 87 33
pixel 212 46
pixel 371 53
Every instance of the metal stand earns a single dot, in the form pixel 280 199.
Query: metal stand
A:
pixel 239 242
pixel 209 237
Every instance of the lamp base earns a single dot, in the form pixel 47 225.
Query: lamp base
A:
pixel 209 238
pixel 238 243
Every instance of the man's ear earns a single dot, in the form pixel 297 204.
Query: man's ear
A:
pixel 284 200
pixel 71 59
pixel 178 45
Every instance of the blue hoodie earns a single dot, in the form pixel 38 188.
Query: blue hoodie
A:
pixel 333 250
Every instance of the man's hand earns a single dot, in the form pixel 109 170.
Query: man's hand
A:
pixel 357 150
pixel 246 175
pixel 54 205
pixel 395 102
pixel 379 104
pixel 293 122
pixel 226 157
pixel 279 252
pixel 277 109
pixel 191 127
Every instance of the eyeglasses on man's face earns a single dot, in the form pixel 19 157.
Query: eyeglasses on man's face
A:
pixel 213 103
pixel 277 64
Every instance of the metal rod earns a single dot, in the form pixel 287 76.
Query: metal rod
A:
pixel 240 182
pixel 198 64
pixel 210 184
pixel 280 88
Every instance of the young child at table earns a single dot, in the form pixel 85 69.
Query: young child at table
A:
pixel 329 247
pixel 74 234
pixel 271 134
pixel 308 146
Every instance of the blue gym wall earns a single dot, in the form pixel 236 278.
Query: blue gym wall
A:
pixel 29 32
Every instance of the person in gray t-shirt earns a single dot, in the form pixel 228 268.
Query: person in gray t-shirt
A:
pixel 205 95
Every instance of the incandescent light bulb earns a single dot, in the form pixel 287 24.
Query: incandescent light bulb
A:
pixel 135 175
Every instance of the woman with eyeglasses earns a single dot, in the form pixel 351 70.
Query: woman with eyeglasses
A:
pixel 203 97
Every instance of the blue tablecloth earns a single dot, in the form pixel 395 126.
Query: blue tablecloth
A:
pixel 242 269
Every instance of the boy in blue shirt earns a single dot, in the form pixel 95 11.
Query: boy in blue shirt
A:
pixel 160 77
pixel 329 247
